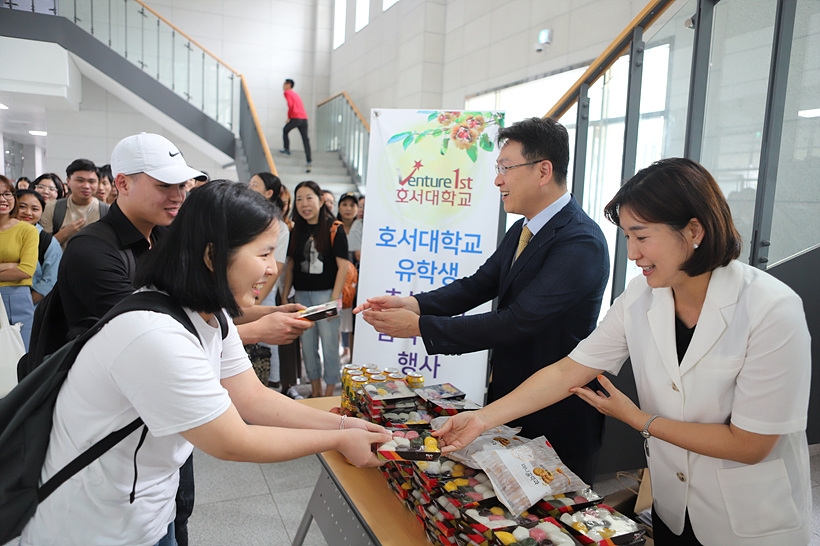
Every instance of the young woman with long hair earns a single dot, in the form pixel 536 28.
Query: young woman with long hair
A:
pixel 316 268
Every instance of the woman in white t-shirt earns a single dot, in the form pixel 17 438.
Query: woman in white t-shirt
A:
pixel 189 391
pixel 722 361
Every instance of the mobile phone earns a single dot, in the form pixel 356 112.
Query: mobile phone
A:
pixel 321 311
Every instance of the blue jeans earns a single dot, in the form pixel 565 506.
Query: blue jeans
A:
pixel 19 308
pixel 328 331
pixel 168 539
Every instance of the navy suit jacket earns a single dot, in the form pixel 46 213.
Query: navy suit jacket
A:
pixel 548 301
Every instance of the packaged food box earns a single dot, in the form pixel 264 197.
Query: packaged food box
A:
pixel 471 538
pixel 452 407
pixel 409 445
pixel 443 391
pixel 601 524
pixel 319 312
pixel 385 393
pixel 429 475
pixel 467 490
pixel 567 503
pixel 406 419
pixel 496 517
pixel 547 532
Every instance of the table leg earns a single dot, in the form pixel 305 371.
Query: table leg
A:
pixel 301 532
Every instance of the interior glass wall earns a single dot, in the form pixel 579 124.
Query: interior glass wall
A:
pixel 795 224
pixel 736 104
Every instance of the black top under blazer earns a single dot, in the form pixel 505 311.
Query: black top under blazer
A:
pixel 548 301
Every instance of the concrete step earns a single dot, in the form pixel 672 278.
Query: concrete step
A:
pixel 327 170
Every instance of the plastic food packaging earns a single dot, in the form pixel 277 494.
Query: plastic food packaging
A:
pixel 602 524
pixel 409 445
pixel 545 532
pixel 523 475
pixel 502 437
pixel 443 391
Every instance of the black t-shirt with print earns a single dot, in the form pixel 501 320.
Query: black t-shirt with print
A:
pixel 315 271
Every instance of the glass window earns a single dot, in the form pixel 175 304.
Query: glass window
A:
pixel 736 104
pixel 797 194
pixel 386 4
pixel 339 22
pixel 362 14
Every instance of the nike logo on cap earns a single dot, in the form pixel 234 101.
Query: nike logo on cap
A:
pixel 173 155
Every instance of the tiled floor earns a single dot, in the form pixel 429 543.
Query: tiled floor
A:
pixel 248 504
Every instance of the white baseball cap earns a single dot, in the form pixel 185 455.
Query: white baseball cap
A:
pixel 153 155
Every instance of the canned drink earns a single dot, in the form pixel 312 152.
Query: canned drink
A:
pixel 388 371
pixel 398 376
pixel 370 372
pixel 415 380
pixel 356 384
pixel 378 378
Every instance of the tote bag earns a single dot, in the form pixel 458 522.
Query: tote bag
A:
pixel 11 349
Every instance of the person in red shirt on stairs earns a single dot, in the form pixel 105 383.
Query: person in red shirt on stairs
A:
pixel 297 119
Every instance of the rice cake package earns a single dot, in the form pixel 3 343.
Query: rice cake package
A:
pixel 524 475
pixel 603 525
pixel 429 474
pixel 488 518
pixel 547 532
pixel 444 391
pixel 567 503
pixel 466 490
pixel 409 445
pixel 387 393
pixel 452 407
pixel 406 419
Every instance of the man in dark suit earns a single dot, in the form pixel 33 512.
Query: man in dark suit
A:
pixel 549 287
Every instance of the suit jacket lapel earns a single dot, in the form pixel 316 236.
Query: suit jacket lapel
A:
pixel 661 317
pixel 538 241
pixel 718 310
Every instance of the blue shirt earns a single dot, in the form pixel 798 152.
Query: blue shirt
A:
pixel 45 276
pixel 540 220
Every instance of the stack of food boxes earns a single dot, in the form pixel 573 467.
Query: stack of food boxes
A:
pixel 456 504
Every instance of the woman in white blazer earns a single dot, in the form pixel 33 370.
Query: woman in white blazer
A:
pixel 722 361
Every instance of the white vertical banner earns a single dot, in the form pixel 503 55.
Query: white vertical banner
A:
pixel 432 217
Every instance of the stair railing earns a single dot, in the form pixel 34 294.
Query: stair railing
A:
pixel 342 128
pixel 160 49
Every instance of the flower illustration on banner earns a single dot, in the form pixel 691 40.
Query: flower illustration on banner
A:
pixel 466 130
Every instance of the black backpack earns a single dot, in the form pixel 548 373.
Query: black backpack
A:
pixel 49 330
pixel 26 420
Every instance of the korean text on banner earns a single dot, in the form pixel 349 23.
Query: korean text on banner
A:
pixel 432 217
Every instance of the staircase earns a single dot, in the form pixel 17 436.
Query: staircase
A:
pixel 327 170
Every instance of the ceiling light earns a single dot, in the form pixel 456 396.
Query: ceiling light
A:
pixel 3 106
pixel 38 133
pixel 813 113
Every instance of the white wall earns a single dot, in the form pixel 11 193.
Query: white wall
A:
pixel 267 41
pixel 101 122
pixel 435 53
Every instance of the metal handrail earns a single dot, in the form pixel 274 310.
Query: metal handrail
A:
pixel 342 128
pixel 225 104
pixel 651 12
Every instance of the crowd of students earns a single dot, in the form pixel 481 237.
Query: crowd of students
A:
pixel 214 251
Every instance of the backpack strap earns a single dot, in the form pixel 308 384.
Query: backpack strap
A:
pixel 333 229
pixel 45 242
pixel 60 208
pixel 139 301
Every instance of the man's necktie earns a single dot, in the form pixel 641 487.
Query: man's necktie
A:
pixel 523 240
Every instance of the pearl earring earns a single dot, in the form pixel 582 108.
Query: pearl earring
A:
pixel 696 246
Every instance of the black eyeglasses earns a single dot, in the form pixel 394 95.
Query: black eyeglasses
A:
pixel 502 169
pixel 45 188
pixel 8 196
